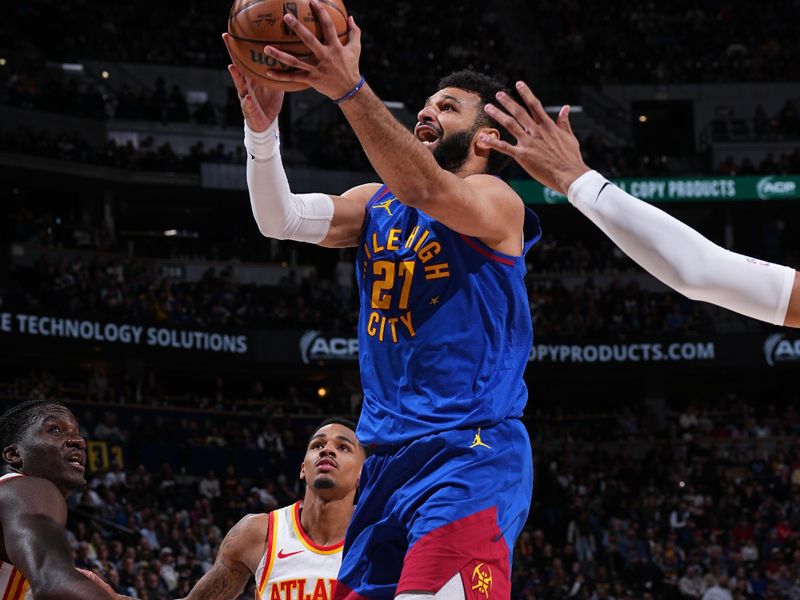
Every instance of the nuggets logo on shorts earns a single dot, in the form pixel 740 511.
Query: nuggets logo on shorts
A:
pixel 482 579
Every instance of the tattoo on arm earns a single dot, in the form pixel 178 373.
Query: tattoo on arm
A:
pixel 220 583
pixel 224 581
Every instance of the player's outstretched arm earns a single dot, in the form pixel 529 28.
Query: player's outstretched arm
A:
pixel 333 221
pixel 668 249
pixel 237 561
pixel 33 515
pixel 478 205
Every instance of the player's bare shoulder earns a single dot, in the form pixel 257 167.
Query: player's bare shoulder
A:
pixel 245 541
pixel 32 495
pixel 495 187
pixel 502 210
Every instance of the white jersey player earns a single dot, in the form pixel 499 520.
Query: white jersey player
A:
pixel 294 565
pixel 294 552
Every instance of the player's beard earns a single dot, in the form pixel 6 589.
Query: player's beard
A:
pixel 323 483
pixel 452 151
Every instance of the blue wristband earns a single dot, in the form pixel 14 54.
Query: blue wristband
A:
pixel 352 92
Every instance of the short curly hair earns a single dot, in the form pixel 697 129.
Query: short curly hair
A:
pixel 17 419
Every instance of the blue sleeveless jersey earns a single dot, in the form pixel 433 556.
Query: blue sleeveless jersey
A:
pixel 444 329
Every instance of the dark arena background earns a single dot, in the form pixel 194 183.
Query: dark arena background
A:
pixel 198 355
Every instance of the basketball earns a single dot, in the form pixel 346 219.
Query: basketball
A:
pixel 254 24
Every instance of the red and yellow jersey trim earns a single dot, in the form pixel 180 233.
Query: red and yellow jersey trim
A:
pixel 306 540
pixel 17 585
pixel 270 552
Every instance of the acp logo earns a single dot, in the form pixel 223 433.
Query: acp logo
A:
pixel 777 349
pixel 768 188
pixel 314 346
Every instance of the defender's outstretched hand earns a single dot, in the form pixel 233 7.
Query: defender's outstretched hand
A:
pixel 260 104
pixel 548 151
pixel 334 71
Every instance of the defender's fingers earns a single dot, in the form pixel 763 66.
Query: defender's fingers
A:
pixel 534 104
pixel 499 145
pixel 563 119
pixel 510 123
pixel 522 116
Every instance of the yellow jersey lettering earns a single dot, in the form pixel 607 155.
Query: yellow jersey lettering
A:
pixel 393 325
pixel 412 236
pixel 437 271
pixel 406 271
pixel 383 327
pixel 366 250
pixel 375 247
pixel 429 251
pixel 384 281
pixel 373 319
pixel 406 320
pixel 393 239
pixel 421 240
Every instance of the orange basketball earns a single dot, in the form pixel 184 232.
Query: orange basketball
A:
pixel 254 24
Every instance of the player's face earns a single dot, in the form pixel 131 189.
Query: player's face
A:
pixel 447 125
pixel 52 449
pixel 333 461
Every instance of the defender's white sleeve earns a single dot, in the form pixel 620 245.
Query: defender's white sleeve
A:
pixel 680 257
pixel 279 213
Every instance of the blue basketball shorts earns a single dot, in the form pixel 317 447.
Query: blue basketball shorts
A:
pixel 448 503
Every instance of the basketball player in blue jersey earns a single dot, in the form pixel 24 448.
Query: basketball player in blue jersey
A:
pixel 444 327
pixel 43 462
pixel 669 250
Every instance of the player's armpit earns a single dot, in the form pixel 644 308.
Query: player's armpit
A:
pixel 348 216
pixel 481 206
pixel 793 312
